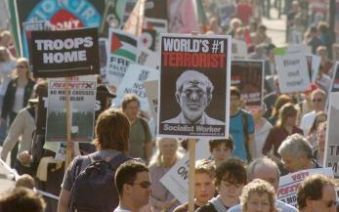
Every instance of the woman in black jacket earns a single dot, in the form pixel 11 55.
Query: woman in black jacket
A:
pixel 18 92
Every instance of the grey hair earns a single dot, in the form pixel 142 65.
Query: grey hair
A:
pixel 192 75
pixel 156 157
pixel 261 162
pixel 295 145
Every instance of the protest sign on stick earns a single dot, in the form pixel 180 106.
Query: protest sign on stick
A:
pixel 65 53
pixel 293 73
pixel 288 184
pixel 331 154
pixel 194 86
pixel 335 78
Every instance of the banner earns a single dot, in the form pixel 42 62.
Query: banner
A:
pixel 150 36
pixel 248 76
pixel 331 155
pixel 293 73
pixel 176 179
pixel 82 90
pixel 61 15
pixel 335 80
pixel 122 51
pixel 288 184
pixel 194 86
pixel 182 17
pixel 65 53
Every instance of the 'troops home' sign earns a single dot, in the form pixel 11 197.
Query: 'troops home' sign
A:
pixel 65 53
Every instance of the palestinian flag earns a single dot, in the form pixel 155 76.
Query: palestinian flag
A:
pixel 123 45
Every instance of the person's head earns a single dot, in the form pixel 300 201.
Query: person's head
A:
pixel 22 68
pixel 133 184
pixel 193 94
pixel 322 52
pixel 25 181
pixel 262 29
pixel 5 38
pixel 22 199
pixel 235 98
pixel 266 169
pixel 296 153
pixel 321 136
pixel 320 117
pixel 167 150
pixel 258 196
pixel 316 193
pixel 287 115
pixel 230 178
pixel 131 106
pixel 204 181
pixel 221 149
pixel 235 23
pixel 323 27
pixel 281 101
pixel 318 98
pixel 313 31
pixel 5 55
pixel 112 131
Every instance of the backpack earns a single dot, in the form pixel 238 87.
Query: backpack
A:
pixel 93 189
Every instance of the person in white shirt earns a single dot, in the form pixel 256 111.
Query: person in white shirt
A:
pixel 133 183
pixel 318 98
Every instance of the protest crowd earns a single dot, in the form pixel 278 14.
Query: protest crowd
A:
pixel 105 104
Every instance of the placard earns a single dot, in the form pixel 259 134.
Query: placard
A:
pixel 82 90
pixel 65 53
pixel 194 86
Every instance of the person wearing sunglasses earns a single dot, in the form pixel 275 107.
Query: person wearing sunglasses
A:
pixel 18 92
pixel 317 194
pixel 133 183
pixel 318 98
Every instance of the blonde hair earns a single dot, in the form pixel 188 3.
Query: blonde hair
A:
pixel 260 187
pixel 25 62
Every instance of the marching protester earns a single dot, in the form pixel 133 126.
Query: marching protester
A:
pixel 230 178
pixel 112 146
pixel 320 117
pixel 164 158
pixel 204 185
pixel 133 183
pixel 296 154
pixel 286 125
pixel 18 92
pixel 317 192
pixel 266 169
pixel 140 138
pixel 319 150
pixel 221 150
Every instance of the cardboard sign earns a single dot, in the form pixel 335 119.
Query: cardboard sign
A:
pixel 61 15
pixel 82 96
pixel 239 49
pixel 313 64
pixel 148 58
pixel 194 86
pixel 65 53
pixel 288 184
pixel 176 179
pixel 248 76
pixel 293 73
pixel 122 52
pixel 331 156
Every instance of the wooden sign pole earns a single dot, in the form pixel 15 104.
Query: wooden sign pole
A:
pixel 70 145
pixel 191 174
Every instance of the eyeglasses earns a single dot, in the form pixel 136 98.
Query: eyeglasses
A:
pixel 317 100
pixel 144 184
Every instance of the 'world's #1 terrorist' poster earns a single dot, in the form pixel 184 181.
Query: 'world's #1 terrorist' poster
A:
pixel 194 86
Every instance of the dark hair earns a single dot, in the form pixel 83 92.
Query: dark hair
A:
pixel 235 91
pixel 128 98
pixel 112 131
pixel 281 101
pixel 216 142
pixel 312 189
pixel 127 173
pixel 22 199
pixel 233 170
